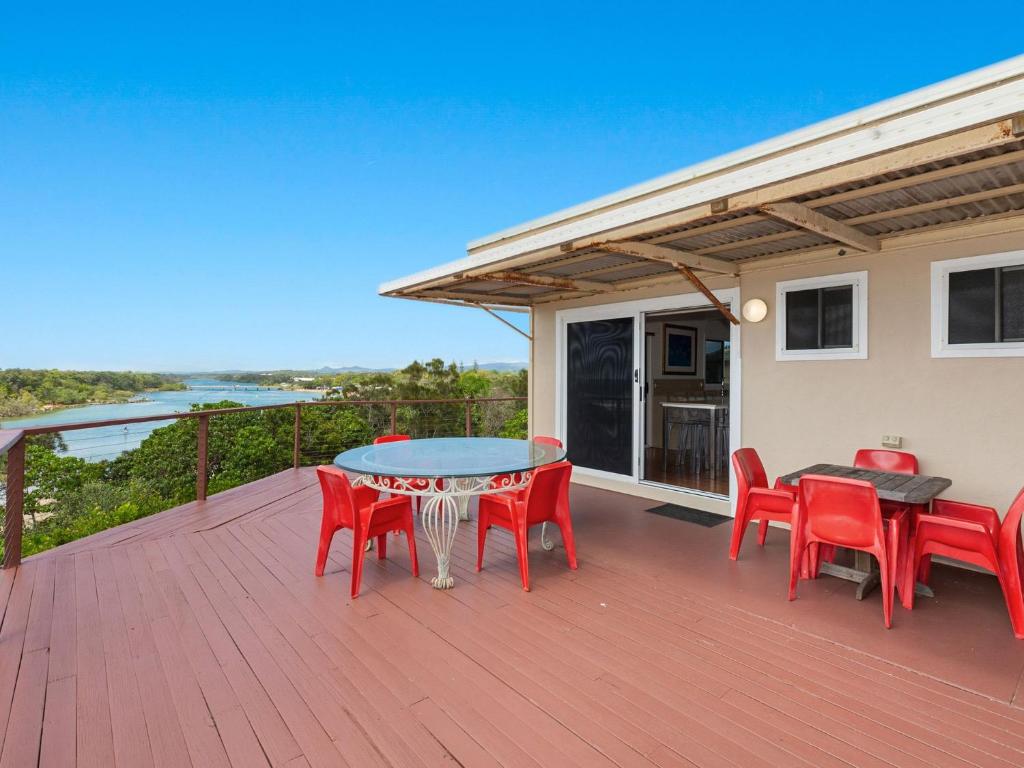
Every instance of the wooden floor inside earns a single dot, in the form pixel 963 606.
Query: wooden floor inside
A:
pixel 200 636
pixel 677 472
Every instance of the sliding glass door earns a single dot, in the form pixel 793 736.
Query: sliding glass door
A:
pixel 599 394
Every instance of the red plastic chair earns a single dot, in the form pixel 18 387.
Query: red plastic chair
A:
pixel 546 500
pixel 547 440
pixel 886 461
pixel 360 510
pixel 974 534
pixel 500 479
pixel 844 513
pixel 756 501
pixel 414 483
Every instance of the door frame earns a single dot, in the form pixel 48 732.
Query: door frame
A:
pixel 636 310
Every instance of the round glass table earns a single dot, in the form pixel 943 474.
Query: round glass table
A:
pixel 447 471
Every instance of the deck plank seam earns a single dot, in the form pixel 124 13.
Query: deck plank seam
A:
pixel 756 663
pixel 754 669
pixel 847 649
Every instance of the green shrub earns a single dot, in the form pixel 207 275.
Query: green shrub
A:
pixel 516 425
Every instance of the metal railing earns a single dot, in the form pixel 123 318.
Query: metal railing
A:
pixel 13 443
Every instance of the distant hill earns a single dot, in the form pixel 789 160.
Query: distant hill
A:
pixel 352 369
pixel 501 367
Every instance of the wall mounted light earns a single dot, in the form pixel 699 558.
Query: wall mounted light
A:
pixel 755 310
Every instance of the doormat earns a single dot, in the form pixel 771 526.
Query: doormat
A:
pixel 689 515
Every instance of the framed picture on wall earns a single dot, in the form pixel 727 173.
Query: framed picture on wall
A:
pixel 679 353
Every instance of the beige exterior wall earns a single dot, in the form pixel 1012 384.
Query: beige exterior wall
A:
pixel 963 417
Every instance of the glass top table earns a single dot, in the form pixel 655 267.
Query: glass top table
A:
pixel 449 457
pixel 446 472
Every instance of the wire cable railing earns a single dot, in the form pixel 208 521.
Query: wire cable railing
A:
pixel 59 471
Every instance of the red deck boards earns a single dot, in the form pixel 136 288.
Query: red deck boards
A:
pixel 200 636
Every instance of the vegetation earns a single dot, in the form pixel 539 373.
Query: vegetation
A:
pixel 68 498
pixel 24 392
pixel 264 379
pixel 322 380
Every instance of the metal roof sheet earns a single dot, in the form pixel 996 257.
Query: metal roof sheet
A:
pixel 975 183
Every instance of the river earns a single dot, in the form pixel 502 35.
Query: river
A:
pixel 108 442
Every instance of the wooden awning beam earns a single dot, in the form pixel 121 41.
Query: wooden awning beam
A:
pixel 688 274
pixel 812 221
pixel 545 281
pixel 464 303
pixel 683 261
pixel 472 297
pixel 661 253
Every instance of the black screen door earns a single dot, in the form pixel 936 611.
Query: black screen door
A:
pixel 599 394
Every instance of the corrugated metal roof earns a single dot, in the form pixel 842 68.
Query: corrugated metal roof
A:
pixel 963 187
pixel 881 111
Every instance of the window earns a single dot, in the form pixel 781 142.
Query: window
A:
pixel 822 318
pixel 716 356
pixel 978 306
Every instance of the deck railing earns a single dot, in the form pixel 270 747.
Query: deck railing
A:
pixel 389 414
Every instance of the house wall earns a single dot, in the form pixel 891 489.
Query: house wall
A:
pixel 963 417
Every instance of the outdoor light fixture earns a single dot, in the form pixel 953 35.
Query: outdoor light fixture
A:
pixel 755 310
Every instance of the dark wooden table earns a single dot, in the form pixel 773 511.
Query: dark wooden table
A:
pixel 891 486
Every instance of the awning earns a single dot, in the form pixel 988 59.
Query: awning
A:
pixel 873 180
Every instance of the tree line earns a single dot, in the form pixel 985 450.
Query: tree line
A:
pixel 24 391
pixel 68 497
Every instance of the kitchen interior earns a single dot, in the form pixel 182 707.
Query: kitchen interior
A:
pixel 686 404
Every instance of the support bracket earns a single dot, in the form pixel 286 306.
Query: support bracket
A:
pixel 501 319
pixel 726 313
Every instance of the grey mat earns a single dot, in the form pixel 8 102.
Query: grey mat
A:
pixel 689 515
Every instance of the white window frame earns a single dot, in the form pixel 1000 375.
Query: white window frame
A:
pixel 859 348
pixel 940 307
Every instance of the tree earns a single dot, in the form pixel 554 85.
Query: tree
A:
pixel 80 497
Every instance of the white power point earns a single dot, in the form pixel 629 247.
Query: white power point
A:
pixel 892 441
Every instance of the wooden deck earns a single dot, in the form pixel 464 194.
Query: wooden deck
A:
pixel 200 636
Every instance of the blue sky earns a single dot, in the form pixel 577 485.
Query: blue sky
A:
pixel 208 186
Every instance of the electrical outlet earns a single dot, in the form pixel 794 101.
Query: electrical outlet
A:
pixel 892 441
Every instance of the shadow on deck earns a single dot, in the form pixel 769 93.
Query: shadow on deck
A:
pixel 201 636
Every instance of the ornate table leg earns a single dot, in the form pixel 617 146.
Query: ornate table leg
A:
pixel 446 502
pixel 545 542
pixel 463 486
pixel 440 520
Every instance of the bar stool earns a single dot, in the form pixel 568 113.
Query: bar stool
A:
pixel 693 441
pixel 722 444
pixel 722 439
pixel 673 421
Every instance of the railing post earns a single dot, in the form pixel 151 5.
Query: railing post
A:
pixel 394 417
pixel 201 463
pixel 15 504
pixel 297 439
pixel 469 417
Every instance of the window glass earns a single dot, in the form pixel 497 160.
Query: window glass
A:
pixel 837 316
pixel 802 319
pixel 1012 307
pixel 714 361
pixel 972 302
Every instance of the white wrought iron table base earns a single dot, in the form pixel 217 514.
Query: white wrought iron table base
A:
pixel 445 503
